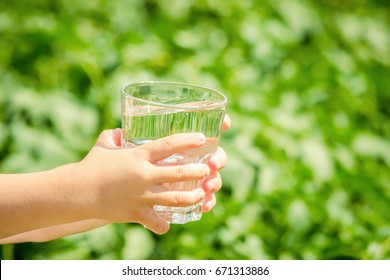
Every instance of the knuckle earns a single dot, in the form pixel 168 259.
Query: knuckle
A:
pixel 205 171
pixel 144 175
pixel 177 199
pixel 169 143
pixel 181 172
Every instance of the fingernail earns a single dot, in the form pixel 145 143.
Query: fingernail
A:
pixel 202 193
pixel 202 138
pixel 210 185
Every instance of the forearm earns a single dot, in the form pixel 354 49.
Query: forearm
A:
pixel 54 232
pixel 42 199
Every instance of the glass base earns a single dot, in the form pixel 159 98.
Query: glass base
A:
pixel 180 215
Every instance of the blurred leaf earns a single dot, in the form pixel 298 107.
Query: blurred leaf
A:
pixel 316 156
pixel 35 150
pixel 298 215
pixel 138 243
pixel 299 15
pixel 369 145
pixel 102 240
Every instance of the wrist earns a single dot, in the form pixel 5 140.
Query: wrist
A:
pixel 76 190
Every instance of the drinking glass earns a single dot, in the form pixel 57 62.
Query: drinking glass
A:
pixel 152 110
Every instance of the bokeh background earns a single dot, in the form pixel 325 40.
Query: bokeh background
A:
pixel 308 84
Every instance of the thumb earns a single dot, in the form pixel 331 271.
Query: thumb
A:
pixel 110 139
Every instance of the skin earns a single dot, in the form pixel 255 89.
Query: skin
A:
pixel 96 191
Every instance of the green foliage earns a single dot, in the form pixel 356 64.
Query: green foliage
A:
pixel 309 94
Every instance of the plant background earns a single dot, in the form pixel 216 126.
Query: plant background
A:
pixel 309 95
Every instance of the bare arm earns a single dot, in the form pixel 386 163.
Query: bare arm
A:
pixel 54 232
pixel 36 200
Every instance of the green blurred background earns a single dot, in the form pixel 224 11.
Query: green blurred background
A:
pixel 308 84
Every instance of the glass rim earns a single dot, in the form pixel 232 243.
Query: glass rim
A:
pixel 218 103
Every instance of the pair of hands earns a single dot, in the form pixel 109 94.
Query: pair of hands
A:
pixel 110 184
pixel 139 183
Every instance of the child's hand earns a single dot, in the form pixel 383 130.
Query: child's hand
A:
pixel 125 183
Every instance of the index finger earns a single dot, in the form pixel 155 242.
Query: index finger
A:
pixel 173 144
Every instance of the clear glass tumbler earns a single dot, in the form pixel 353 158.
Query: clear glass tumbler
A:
pixel 152 110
